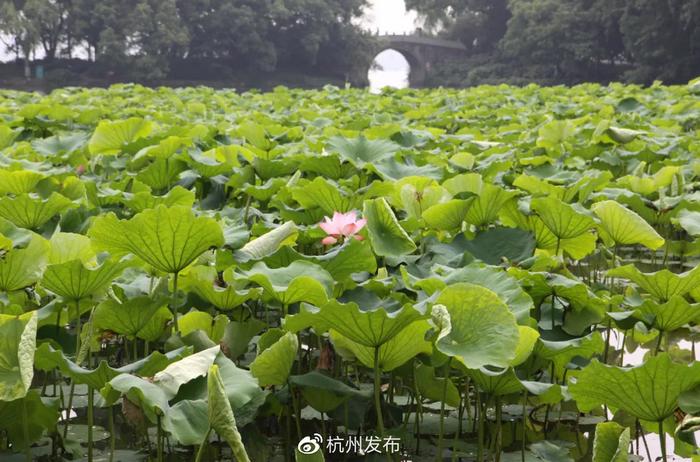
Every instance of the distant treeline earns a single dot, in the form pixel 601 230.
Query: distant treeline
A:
pixel 567 41
pixel 511 41
pixel 147 37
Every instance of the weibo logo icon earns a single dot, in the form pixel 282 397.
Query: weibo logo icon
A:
pixel 310 444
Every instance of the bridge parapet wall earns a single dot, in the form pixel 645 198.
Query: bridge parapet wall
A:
pixel 421 52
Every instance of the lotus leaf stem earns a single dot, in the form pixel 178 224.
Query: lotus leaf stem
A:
pixel 203 446
pixel 90 423
pixel 378 392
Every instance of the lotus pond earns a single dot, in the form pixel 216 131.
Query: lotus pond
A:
pixel 493 274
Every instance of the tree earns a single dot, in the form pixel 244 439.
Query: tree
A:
pixel 303 27
pixel 478 24
pixel 156 34
pixel 561 40
pixel 234 30
pixel 15 22
pixel 49 20
pixel 662 38
pixel 102 26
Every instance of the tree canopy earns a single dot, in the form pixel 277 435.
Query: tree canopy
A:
pixel 568 41
pixel 149 34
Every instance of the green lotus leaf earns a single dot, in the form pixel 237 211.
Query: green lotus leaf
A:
pixel 495 244
pixel 140 317
pixel 482 330
pixel 217 161
pixel 267 169
pixel 238 335
pixel 325 393
pixel 622 226
pixel 611 442
pixel 342 261
pixel 268 243
pixel 180 372
pixel 187 421
pixel 110 137
pixel 689 401
pixel 272 366
pixel 496 280
pixel 221 417
pixel 387 236
pixel 326 195
pixel 416 194
pixel 60 144
pixel 432 387
pixel 407 344
pixel 169 239
pixel 269 338
pixel 496 383
pixel 576 248
pixel 266 191
pixel 579 297
pixel 546 393
pixel 689 221
pixel 301 281
pixel 166 147
pixel 103 196
pixel 69 246
pixel 554 133
pixel 448 215
pixel 19 181
pixel 17 347
pixel 202 281
pixel 74 281
pixel 242 387
pixel 20 268
pixel 662 285
pixel 464 183
pixel 547 451
pixel 162 174
pixel 623 135
pixel 28 212
pixel 214 327
pixel 361 152
pixel 526 344
pixel 687 429
pixel 392 170
pixel 256 135
pixel 369 328
pixel 649 392
pixel 539 186
pixel 8 135
pixel 484 208
pixel 650 184
pixel 48 359
pixel 146 200
pixel 561 352
pixel 562 219
pixel 148 396
pixel 36 414
pixel 491 277
pixel 672 315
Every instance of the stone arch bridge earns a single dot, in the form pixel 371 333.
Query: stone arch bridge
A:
pixel 420 51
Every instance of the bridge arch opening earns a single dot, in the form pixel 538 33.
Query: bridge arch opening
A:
pixel 389 68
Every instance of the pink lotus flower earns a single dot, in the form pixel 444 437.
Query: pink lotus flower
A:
pixel 342 225
pixel 80 169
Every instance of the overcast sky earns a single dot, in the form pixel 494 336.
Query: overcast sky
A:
pixel 390 17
